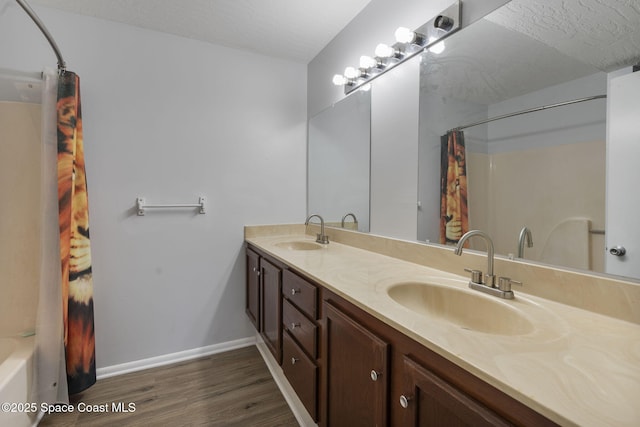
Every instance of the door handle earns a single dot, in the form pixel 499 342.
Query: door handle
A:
pixel 618 251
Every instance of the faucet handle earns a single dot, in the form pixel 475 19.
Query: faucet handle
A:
pixel 476 275
pixel 322 238
pixel 504 283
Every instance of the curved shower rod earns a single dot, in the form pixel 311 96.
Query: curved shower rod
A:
pixel 62 66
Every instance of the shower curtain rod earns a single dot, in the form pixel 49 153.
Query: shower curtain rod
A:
pixel 62 66
pixel 530 110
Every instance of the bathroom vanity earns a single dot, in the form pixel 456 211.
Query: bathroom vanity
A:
pixel 365 338
pixel 364 362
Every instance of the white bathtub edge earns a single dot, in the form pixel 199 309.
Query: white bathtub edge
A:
pixel 16 382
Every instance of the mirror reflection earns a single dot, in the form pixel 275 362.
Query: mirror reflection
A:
pixel 339 162
pixel 554 185
pixel 528 162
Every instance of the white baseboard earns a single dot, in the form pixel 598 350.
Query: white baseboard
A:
pixel 167 359
pixel 295 404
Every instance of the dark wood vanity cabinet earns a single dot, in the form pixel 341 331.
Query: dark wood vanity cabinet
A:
pixel 271 307
pixel 301 330
pixel 428 400
pixel 283 306
pixel 349 368
pixel 302 373
pixel 252 306
pixel 373 375
pixel 357 372
pixel 263 299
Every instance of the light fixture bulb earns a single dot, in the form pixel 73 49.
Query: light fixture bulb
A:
pixel 351 73
pixel 437 48
pixel 339 80
pixel 384 51
pixel 405 35
pixel 368 62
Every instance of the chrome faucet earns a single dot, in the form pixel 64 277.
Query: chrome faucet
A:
pixel 525 236
pixel 355 220
pixel 490 277
pixel 320 237
pixel 503 290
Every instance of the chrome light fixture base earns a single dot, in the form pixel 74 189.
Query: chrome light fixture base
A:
pixel 428 35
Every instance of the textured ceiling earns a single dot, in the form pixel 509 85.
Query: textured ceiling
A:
pixel 527 45
pixel 486 63
pixel 602 33
pixel 289 29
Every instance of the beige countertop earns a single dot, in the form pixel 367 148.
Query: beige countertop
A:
pixel 572 365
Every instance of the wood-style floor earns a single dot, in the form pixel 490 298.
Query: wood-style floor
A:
pixel 233 388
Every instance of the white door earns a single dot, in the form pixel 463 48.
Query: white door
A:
pixel 623 176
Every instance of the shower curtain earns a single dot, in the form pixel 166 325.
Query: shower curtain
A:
pixel 50 378
pixel 454 215
pixel 75 254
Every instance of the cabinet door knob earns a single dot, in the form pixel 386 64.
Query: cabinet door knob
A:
pixel 295 291
pixel 295 325
pixel 294 360
pixel 375 375
pixel 404 401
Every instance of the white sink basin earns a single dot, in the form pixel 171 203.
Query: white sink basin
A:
pixel 466 308
pixel 299 245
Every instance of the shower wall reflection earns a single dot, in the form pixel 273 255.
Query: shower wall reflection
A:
pixel 543 170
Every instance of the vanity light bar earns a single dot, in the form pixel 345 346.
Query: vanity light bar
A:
pixel 409 43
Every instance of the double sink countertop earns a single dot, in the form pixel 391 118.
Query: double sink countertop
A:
pixel 574 366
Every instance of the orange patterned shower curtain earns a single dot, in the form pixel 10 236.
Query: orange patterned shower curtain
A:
pixel 454 215
pixel 75 254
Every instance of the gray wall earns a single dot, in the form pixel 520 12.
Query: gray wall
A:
pixel 165 118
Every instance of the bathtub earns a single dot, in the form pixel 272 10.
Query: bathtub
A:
pixel 16 367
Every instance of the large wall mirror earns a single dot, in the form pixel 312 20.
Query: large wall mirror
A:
pixel 339 162
pixel 527 87
pixel 555 171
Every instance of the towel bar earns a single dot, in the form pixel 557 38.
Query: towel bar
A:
pixel 141 203
pixel 596 231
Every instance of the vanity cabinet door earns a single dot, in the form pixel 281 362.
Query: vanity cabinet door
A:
pixel 356 369
pixel 302 374
pixel 271 308
pixel 430 401
pixel 252 307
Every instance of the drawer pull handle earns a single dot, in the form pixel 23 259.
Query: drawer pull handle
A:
pixel 295 325
pixel 375 375
pixel 295 291
pixel 294 360
pixel 404 401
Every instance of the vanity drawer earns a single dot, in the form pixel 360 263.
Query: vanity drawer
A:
pixel 301 293
pixel 302 374
pixel 301 328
